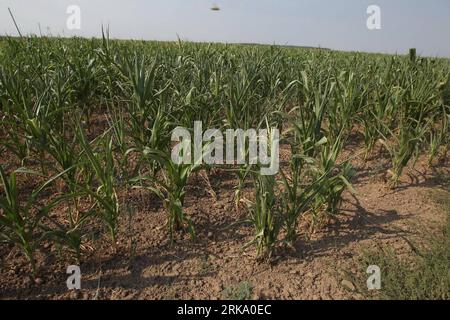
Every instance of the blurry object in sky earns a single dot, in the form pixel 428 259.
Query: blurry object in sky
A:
pixel 215 7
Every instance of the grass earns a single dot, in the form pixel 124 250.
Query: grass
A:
pixel 240 291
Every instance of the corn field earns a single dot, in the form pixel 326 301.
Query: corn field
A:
pixel 84 123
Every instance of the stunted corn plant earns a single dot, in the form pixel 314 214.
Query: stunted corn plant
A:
pixel 298 192
pixel 307 120
pixel 415 112
pixel 11 96
pixel 86 80
pixel 334 180
pixel 20 220
pixel 264 215
pixel 148 119
pixel 100 171
pixel 121 151
pixel 405 146
pixel 378 114
pixel 171 189
pixel 439 136
pixel 66 154
pixel 350 97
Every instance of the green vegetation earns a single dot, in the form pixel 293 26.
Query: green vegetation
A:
pixel 94 119
pixel 241 291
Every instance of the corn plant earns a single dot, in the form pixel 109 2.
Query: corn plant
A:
pixel 438 137
pixel 377 115
pixel 121 152
pixel 350 97
pixel 264 215
pixel 405 146
pixel 25 110
pixel 298 193
pixel 334 180
pixel 148 120
pixel 171 189
pixel 86 78
pixel 70 236
pixel 307 119
pixel 20 220
pixel 418 105
pixel 12 140
pixel 101 166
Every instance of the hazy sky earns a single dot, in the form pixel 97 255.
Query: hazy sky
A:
pixel 337 24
